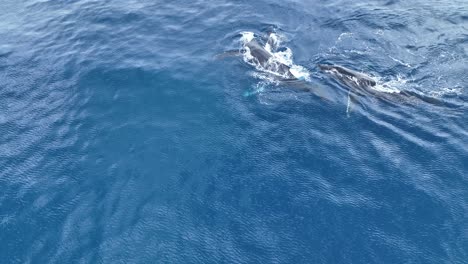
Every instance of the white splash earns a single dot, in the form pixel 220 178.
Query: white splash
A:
pixel 284 56
pixel 379 32
pixel 273 42
pixel 344 35
pixel 246 36
pixel 400 62
pixel 391 86
pixel 447 91
pixel 398 84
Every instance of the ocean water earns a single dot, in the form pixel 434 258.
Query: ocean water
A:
pixel 125 138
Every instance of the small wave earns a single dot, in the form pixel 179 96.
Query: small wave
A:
pixel 343 35
pixel 265 77
pixel 457 91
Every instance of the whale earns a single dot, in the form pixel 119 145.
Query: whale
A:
pixel 360 84
pixel 260 52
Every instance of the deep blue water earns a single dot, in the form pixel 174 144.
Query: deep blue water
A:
pixel 124 140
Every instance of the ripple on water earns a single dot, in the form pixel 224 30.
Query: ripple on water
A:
pixel 123 140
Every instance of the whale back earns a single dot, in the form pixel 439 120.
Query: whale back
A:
pixel 264 59
pixel 258 52
pixel 349 77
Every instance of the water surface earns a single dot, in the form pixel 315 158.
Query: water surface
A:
pixel 123 139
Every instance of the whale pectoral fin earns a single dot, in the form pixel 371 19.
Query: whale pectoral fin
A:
pixel 228 54
pixel 352 101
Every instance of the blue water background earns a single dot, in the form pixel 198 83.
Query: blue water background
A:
pixel 124 140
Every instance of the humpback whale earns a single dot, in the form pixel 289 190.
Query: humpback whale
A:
pixel 264 54
pixel 361 84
